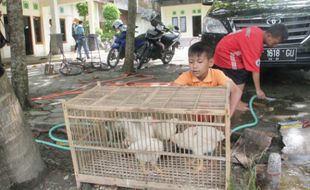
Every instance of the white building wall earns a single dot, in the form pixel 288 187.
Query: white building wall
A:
pixel 142 24
pixel 68 15
pixel 66 11
pixel 42 49
pixel 46 12
pixel 184 10
pixel 38 48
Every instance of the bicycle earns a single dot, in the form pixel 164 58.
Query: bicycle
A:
pixel 72 68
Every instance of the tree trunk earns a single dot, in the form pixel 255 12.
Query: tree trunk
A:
pixel 130 37
pixel 1 66
pixel 4 176
pixel 17 43
pixel 18 150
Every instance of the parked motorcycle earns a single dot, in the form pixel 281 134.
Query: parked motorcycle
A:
pixel 117 50
pixel 160 43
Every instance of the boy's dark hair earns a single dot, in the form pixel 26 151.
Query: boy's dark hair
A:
pixel 199 48
pixel 278 30
pixel 80 22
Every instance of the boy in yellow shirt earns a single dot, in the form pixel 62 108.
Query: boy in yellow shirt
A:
pixel 200 59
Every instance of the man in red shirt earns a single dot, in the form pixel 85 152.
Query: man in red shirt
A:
pixel 238 54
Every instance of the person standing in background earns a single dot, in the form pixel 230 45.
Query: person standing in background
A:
pixel 74 25
pixel 81 39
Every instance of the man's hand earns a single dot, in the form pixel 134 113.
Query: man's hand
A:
pixel 260 94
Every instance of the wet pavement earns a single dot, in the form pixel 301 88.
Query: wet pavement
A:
pixel 290 88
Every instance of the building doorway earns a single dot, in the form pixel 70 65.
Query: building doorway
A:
pixel 196 25
pixel 28 37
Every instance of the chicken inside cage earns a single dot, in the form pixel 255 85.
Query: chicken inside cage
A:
pixel 148 152
pixel 201 140
pixel 145 136
pixel 150 138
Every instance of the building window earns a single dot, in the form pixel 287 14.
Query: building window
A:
pixel 63 29
pixel 37 29
pixel 199 11
pixel 174 12
pixel 194 11
pixel 175 21
pixel 182 12
pixel 183 24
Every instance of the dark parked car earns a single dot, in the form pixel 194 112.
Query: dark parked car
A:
pixel 227 16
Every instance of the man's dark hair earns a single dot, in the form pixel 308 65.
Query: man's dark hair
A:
pixel 278 30
pixel 199 48
pixel 80 22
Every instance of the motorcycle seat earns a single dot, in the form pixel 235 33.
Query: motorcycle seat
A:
pixel 169 37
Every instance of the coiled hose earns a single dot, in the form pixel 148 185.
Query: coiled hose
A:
pixel 51 136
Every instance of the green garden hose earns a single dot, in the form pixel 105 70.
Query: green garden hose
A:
pixel 51 136
pixel 252 124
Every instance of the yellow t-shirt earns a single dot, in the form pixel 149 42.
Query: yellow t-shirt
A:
pixel 215 77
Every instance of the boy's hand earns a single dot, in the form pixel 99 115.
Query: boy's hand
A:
pixel 260 94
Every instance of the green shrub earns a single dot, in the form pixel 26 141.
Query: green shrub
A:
pixel 110 13
pixel 104 36
pixel 82 9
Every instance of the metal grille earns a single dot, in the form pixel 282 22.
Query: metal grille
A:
pixel 150 137
pixel 298 26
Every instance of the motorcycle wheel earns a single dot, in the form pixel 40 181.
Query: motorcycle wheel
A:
pixel 143 56
pixel 113 58
pixel 168 55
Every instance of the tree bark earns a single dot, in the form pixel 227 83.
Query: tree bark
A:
pixel 18 54
pixel 4 176
pixel 1 66
pixel 130 37
pixel 18 150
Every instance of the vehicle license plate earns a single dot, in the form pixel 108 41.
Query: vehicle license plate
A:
pixel 279 54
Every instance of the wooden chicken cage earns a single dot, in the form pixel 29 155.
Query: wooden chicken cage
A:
pixel 150 137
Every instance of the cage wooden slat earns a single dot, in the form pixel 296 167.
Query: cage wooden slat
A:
pixel 150 137
pixel 102 97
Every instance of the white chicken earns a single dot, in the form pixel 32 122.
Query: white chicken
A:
pixel 163 130
pixel 149 149
pixel 136 130
pixel 200 140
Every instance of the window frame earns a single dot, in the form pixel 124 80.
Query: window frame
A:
pixel 181 26
pixel 175 18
